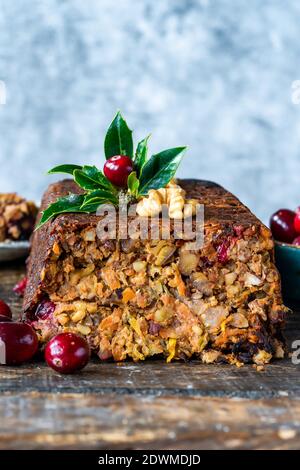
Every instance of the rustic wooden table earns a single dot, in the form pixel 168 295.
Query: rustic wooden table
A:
pixel 152 405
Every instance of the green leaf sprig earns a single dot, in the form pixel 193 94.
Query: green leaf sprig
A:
pixel 149 173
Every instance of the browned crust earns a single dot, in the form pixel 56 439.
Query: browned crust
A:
pixel 223 211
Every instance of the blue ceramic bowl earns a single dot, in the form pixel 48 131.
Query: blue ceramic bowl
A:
pixel 287 259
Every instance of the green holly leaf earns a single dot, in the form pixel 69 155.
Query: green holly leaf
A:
pixel 118 140
pixel 141 155
pixel 65 169
pixel 99 196
pixel 97 175
pixel 160 169
pixel 84 181
pixel 90 178
pixel 133 184
pixel 94 205
pixel 70 203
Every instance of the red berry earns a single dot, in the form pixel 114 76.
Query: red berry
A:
pixel 297 241
pixel 117 169
pixel 20 287
pixel 18 343
pixel 282 225
pixel 297 221
pixel 223 251
pixel 238 230
pixel 44 310
pixel 5 309
pixel 67 353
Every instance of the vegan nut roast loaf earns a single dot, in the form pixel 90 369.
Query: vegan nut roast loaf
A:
pixel 135 299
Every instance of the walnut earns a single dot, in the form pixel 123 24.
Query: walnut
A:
pixel 188 262
pixel 139 266
pixel 172 195
pixel 163 252
pixel 151 205
pixel 84 330
pixel 175 200
pixel 163 314
pixel 190 208
pixel 78 316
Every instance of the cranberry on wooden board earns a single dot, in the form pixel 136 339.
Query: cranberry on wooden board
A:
pixel 282 225
pixel 67 353
pixel 5 309
pixel 297 221
pixel 117 169
pixel 18 342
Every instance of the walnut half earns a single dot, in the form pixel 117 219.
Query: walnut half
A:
pixel 172 195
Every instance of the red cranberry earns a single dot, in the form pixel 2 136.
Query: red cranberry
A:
pixel 117 169
pixel 67 353
pixel 222 251
pixel 20 287
pixel 44 310
pixel 238 230
pixel 297 221
pixel 5 309
pixel 18 343
pixel 282 225
pixel 297 241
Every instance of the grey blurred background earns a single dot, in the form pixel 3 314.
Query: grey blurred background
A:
pixel 213 74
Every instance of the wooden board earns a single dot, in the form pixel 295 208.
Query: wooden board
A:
pixel 148 405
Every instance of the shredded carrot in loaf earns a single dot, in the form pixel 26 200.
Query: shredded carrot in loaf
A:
pixel 128 294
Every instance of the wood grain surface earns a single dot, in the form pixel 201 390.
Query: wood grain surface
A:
pixel 148 405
